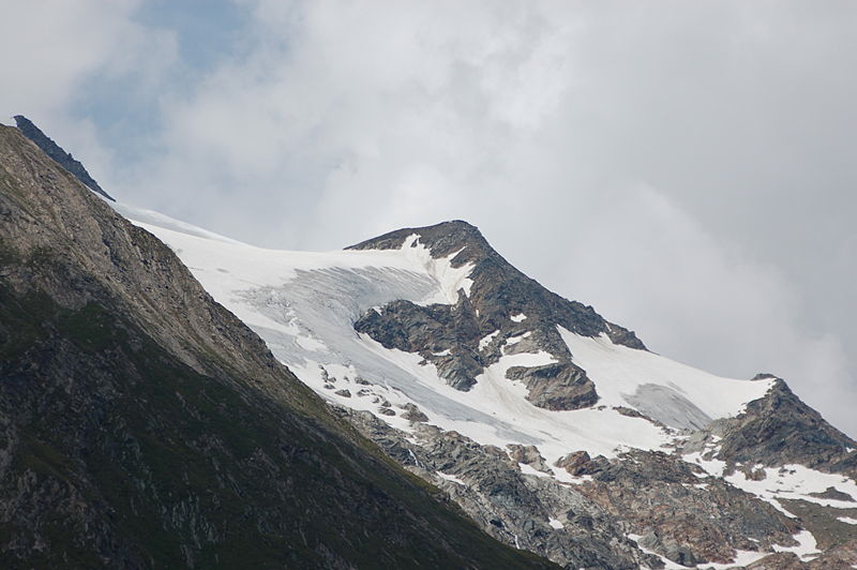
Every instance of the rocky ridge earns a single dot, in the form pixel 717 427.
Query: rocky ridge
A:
pixel 502 302
pixel 56 152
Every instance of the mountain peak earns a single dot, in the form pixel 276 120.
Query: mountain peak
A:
pixel 60 156
pixel 442 239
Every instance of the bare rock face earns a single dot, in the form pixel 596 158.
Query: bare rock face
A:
pixel 575 463
pixel 779 561
pixel 556 386
pixel 531 512
pixel 780 429
pixel 413 413
pixel 446 335
pixel 528 455
pixel 685 518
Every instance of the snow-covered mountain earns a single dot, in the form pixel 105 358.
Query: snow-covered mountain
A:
pixel 142 425
pixel 556 430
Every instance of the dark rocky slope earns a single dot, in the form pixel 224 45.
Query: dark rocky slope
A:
pixel 780 429
pixel 143 426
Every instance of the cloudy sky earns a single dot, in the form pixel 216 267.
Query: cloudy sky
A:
pixel 689 168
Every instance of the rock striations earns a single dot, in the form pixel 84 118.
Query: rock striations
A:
pixel 142 425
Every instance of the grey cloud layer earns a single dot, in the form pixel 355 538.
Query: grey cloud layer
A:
pixel 685 167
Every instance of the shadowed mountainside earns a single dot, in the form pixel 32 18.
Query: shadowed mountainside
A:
pixel 142 425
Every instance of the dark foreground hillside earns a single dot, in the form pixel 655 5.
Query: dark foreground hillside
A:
pixel 144 426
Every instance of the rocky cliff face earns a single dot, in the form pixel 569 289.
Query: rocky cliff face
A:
pixel 781 429
pixel 142 425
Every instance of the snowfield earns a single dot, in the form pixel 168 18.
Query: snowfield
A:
pixel 304 306
pixel 673 393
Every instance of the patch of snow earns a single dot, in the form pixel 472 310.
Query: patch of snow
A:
pixel 516 339
pixel 713 467
pixel 452 478
pixel 797 482
pixel 530 470
pixel 655 385
pixel 555 523
pixel 518 318
pixel 668 564
pixel 847 520
pixel 742 558
pixel 486 340
pixel 442 353
pixel 806 549
pixel 142 217
pixel 450 279
pixel 495 411
pixel 414 458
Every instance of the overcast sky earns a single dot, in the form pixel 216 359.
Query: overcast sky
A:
pixel 688 168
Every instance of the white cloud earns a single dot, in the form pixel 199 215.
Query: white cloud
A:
pixel 650 265
pixel 50 50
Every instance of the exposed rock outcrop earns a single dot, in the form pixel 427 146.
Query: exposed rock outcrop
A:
pixel 522 315
pixel 780 429
pixel 531 512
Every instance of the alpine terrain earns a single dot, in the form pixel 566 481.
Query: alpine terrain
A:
pixel 143 426
pixel 555 430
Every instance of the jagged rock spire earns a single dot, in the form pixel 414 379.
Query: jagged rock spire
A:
pixel 56 152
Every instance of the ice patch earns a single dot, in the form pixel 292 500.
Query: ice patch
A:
pixel 486 340
pixel 806 549
pixel 797 482
pixel 626 376
pixel 530 470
